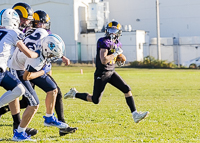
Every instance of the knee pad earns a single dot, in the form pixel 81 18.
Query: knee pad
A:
pixel 9 96
pixel 19 90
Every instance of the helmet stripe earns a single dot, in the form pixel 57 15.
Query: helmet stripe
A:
pixel 56 37
pixel 23 11
pixel 118 26
pixel 110 24
pixel 36 17
pixel 48 18
pixel 1 16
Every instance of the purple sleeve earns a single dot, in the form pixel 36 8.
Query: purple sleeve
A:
pixel 102 43
pixel 49 31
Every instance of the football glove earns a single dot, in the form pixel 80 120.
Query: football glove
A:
pixel 118 51
pixel 47 68
pixel 38 51
pixel 120 63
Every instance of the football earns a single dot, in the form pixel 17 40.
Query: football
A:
pixel 121 58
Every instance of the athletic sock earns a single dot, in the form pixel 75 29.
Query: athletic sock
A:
pixel 82 96
pixel 16 118
pixel 49 115
pixel 130 103
pixel 20 129
pixel 59 106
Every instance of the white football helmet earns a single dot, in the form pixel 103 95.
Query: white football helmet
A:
pixel 53 47
pixel 9 19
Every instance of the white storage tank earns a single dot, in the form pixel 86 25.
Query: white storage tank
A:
pixel 95 16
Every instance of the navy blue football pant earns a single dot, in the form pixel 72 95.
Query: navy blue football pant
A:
pixel 30 94
pixel 47 83
pixel 8 81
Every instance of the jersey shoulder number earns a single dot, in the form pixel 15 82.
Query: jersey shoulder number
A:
pixel 2 34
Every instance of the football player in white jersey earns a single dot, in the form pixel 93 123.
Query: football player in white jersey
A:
pixel 47 84
pixel 52 48
pixel 25 13
pixel 17 68
pixel 10 38
pixel 41 20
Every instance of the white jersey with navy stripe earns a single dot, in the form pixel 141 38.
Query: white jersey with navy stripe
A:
pixel 8 42
pixel 31 41
pixel 35 64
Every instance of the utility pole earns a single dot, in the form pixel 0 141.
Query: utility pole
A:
pixel 158 30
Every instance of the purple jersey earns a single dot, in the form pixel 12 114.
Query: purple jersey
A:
pixel 106 43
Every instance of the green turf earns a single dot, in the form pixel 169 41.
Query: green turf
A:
pixel 171 96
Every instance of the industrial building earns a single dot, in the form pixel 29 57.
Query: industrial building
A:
pixel 81 22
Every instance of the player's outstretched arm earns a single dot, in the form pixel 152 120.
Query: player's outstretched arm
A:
pixel 65 60
pixel 26 51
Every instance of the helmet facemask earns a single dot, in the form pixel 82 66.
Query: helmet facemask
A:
pixel 51 57
pixel 24 24
pixel 113 33
pixel 47 25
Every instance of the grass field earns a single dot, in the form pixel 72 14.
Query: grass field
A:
pixel 171 96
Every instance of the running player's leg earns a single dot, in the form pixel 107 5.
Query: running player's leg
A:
pixel 32 100
pixel 60 112
pixel 120 84
pixel 100 81
pixel 59 103
pixel 46 84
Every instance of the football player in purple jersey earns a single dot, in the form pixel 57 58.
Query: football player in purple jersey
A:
pixel 108 48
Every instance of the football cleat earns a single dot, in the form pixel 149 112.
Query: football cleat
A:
pixel 22 136
pixel 67 130
pixel 139 116
pixel 71 93
pixel 29 131
pixel 53 121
